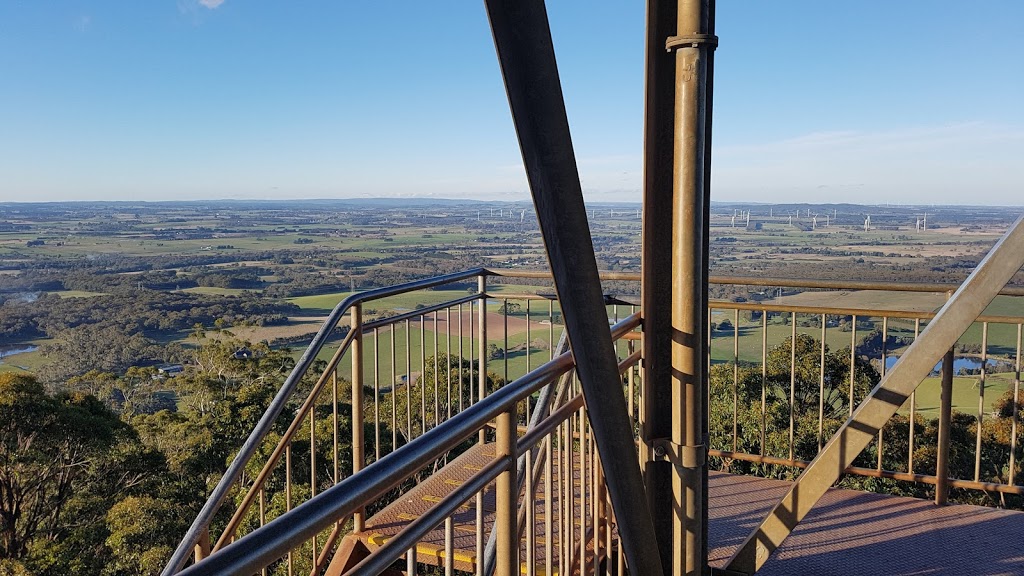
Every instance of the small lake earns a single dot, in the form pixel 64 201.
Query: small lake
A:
pixel 958 363
pixel 12 349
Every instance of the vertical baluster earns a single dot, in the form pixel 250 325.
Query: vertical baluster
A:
pixel 821 384
pixel 423 375
pixel 1012 472
pixel 981 399
pixel 358 442
pixel 548 494
pixel 263 507
pixel 853 361
pixel 480 533
pixel 482 345
pixel 202 547
pixel 596 499
pixel 885 336
pixel 504 355
pixel 913 412
pixel 459 371
pixel 945 423
pixel 473 397
pixel 437 386
pixel 710 333
pixel 408 383
pixel 449 547
pixel 448 355
pixel 312 465
pixel 288 493
pixel 568 504
pixel 606 514
pixel 735 378
pixel 764 377
pixel 528 323
pixel 263 519
pixel 792 385
pixel 631 385
pixel 621 566
pixel 394 393
pixel 335 430
pixel 581 421
pixel 376 394
pixel 531 518
pixel 551 329
pixel 410 561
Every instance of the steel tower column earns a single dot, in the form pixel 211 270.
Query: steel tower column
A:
pixel 680 39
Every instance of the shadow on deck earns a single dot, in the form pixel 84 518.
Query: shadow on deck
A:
pixel 849 533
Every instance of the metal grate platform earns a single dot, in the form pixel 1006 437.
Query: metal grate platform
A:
pixel 849 533
pixel 852 533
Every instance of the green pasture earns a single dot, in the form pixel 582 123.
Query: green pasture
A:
pixel 218 291
pixel 78 294
pixel 411 346
pixel 24 363
pixel 966 394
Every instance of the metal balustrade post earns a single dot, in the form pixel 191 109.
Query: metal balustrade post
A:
pixel 358 456
pixel 482 344
pixel 202 548
pixel 506 496
pixel 945 421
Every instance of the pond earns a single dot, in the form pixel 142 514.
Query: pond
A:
pixel 12 349
pixel 958 363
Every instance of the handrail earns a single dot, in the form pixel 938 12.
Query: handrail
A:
pixel 277 405
pixel 848 311
pixel 939 287
pixel 265 544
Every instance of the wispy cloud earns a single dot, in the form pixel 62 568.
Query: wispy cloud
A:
pixel 211 4
pixel 83 23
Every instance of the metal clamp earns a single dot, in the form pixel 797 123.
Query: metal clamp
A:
pixel 691 41
pixel 682 456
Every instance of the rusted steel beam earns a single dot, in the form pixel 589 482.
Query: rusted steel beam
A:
pixel 955 317
pixel 522 38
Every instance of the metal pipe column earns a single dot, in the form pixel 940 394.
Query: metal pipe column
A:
pixel 689 297
pixel 656 266
pixel 522 38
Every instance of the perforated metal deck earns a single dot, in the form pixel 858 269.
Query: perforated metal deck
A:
pixel 848 533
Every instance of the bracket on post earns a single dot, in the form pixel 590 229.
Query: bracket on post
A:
pixel 691 41
pixel 679 455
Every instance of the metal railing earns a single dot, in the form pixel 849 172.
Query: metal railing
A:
pixel 794 408
pixel 408 373
pixel 393 407
pixel 565 435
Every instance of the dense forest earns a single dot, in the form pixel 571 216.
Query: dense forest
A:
pixel 96 479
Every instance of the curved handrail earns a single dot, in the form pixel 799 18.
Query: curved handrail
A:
pixel 258 548
pixel 263 427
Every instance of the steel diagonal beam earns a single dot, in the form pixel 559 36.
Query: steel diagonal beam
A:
pixel 522 38
pixel 969 301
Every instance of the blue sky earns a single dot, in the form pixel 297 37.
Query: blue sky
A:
pixel 914 102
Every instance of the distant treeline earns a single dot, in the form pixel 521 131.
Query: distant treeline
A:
pixel 139 311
